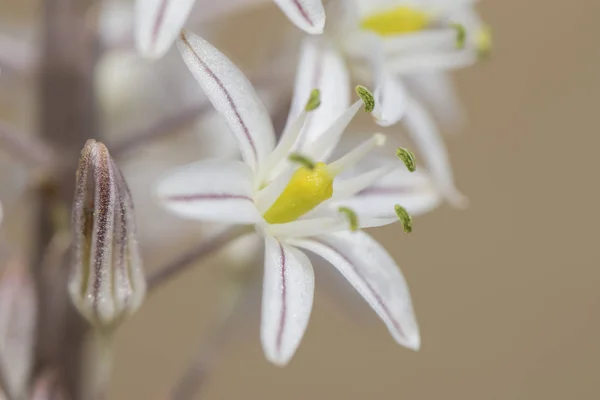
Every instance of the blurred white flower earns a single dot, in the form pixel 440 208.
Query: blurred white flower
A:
pixel 299 207
pixel 158 22
pixel 404 48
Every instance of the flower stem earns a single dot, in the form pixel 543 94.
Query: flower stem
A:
pixel 68 116
pixel 99 367
pixel 157 130
pixel 188 259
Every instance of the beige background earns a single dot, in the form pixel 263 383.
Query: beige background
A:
pixel 506 292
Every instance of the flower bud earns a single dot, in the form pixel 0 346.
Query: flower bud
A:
pixel 106 281
pixel 18 309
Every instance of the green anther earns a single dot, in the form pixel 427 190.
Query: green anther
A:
pixel 302 160
pixel 461 35
pixel 352 217
pixel 407 157
pixel 367 97
pixel 314 101
pixel 404 217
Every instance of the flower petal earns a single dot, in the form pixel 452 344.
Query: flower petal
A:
pixel 158 22
pixel 320 67
pixel 308 15
pixel 390 95
pixel 431 61
pixel 232 95
pixel 437 90
pixel 390 99
pixel 425 134
pixel 412 190
pixel 288 289
pixel 212 190
pixel 420 42
pixel 374 274
pixel 318 225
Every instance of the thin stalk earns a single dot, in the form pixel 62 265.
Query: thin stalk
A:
pixel 188 259
pixel 157 130
pixel 67 118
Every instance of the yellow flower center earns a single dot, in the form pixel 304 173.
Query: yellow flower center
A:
pixel 396 21
pixel 307 189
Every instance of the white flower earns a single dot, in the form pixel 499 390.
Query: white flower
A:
pixel 306 207
pixel 405 47
pixel 158 22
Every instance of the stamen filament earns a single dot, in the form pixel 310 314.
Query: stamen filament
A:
pixel 354 156
pixel 349 187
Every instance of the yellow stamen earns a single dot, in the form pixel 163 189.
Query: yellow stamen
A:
pixel 396 21
pixel 484 42
pixel 307 189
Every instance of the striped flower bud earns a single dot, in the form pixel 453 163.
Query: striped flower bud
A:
pixel 106 281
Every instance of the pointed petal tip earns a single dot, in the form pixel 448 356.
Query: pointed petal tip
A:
pixel 383 122
pixel 315 29
pixel 157 25
pixel 409 338
pixel 414 342
pixel 149 54
pixel 308 15
pixel 457 199
pixel 276 359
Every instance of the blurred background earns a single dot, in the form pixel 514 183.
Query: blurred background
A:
pixel 506 291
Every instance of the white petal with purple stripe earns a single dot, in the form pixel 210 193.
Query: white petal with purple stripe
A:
pixel 412 190
pixel 288 289
pixel 374 274
pixel 233 97
pixel 308 15
pixel 322 67
pixel 157 24
pixel 426 135
pixel 212 190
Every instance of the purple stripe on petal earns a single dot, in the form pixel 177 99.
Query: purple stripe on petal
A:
pixel 390 190
pixel 283 315
pixel 227 95
pixel 303 12
pixel 207 196
pixel 160 16
pixel 366 282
